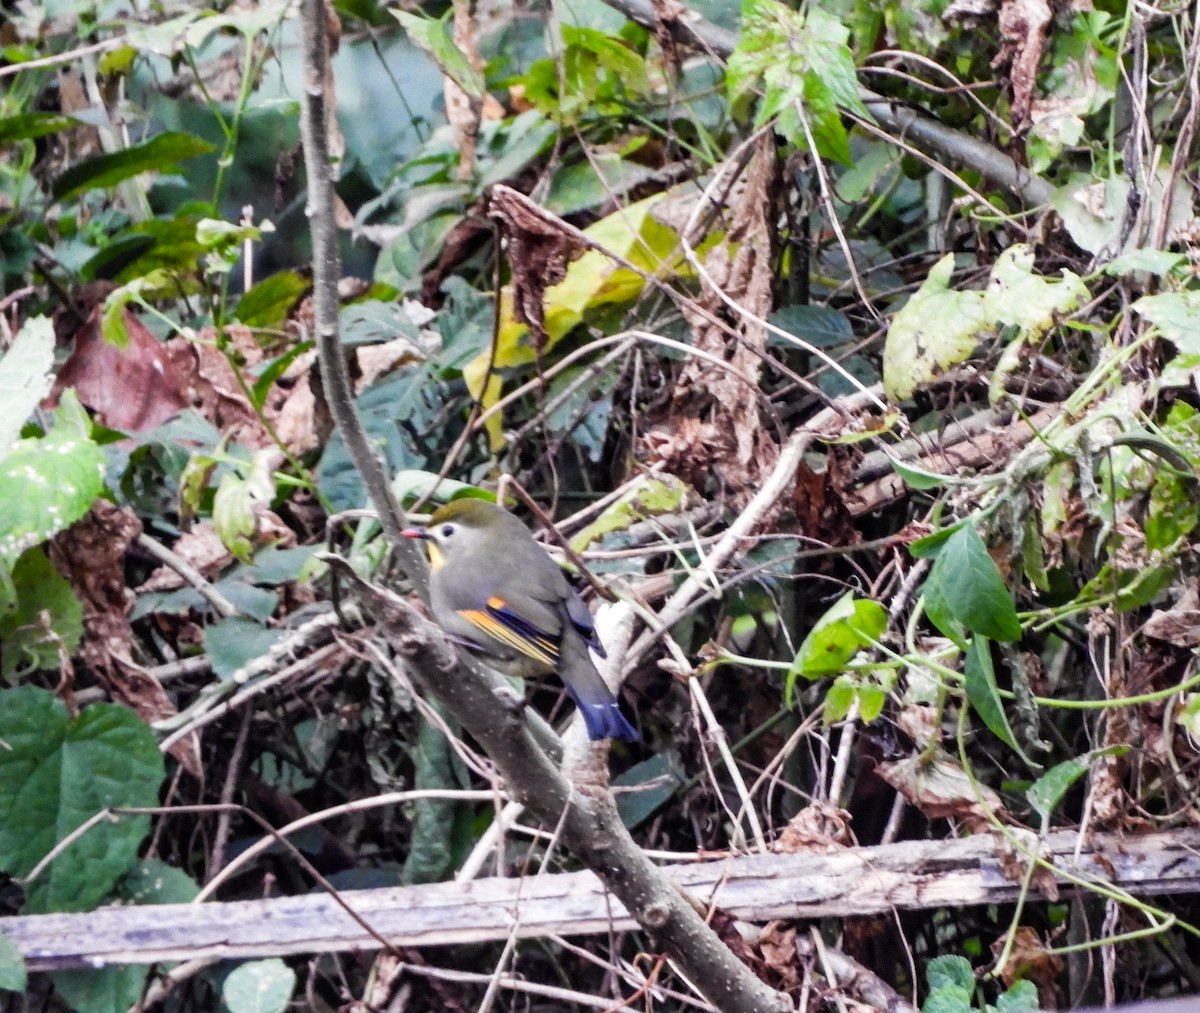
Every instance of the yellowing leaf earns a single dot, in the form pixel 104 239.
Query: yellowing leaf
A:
pixel 635 233
pixel 936 329
pixel 649 496
pixel 1017 296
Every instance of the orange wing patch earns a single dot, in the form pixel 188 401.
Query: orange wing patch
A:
pixel 538 647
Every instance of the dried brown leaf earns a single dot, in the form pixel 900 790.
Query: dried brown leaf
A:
pixel 213 385
pixel 719 391
pixel 1030 960
pixel 91 555
pixel 1014 862
pixel 539 250
pixel 131 389
pixel 818 827
pixel 940 788
pixel 1180 624
pixel 777 946
pixel 1025 27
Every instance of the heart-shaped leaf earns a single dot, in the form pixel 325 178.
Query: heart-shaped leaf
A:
pixel 56 772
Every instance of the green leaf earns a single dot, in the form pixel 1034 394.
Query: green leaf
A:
pixel 412 484
pixel 646 496
pixel 48 483
pixel 938 609
pixel 1176 315
pixel 982 692
pixel 104 990
pixel 25 377
pixel 119 988
pixel 1094 211
pixel 56 772
pixel 588 50
pixel 839 698
pixel 847 627
pixel 259 986
pixel 104 171
pixel 1021 998
pixel 588 184
pixel 273 371
pixel 1047 791
pixel 802 60
pixel 971 586
pixel 918 478
pixel 950 999
pixel 433 36
pixel 656 781
pixel 13 975
pixel 153 881
pixel 234 642
pixel 948 972
pixel 820 326
pixel 871 699
pixel 402 396
pixel 435 765
pixel 1020 298
pixel 30 126
pixel 234 515
pixel 269 302
pixel 373 321
pixel 46 624
pixel 928 546
pixel 1156 262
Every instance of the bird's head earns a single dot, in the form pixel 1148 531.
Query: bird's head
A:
pixel 464 529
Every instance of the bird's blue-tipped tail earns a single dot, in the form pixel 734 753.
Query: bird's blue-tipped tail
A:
pixel 605 721
pixel 601 713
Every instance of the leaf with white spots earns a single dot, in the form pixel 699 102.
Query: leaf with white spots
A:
pixel 25 377
pixel 48 483
pixel 259 986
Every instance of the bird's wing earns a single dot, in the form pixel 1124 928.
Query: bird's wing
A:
pixel 554 593
pixel 501 621
pixel 581 619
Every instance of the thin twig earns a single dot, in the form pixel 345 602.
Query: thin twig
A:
pixel 313 819
pixel 733 540
pixel 225 818
pixel 223 606
pixel 314 661
pixel 315 115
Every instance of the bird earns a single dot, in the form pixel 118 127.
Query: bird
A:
pixel 496 592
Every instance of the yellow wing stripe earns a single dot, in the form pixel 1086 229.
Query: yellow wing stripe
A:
pixel 540 649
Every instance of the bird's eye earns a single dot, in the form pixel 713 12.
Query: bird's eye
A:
pixel 447 530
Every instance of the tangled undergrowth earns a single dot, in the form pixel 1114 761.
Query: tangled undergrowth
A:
pixel 853 355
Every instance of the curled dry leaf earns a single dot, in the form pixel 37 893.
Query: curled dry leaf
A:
pixel 375 361
pixel 712 425
pixel 295 419
pixel 777 945
pixel 1031 960
pixel 1025 26
pixel 818 827
pixel 940 788
pixel 91 555
pixel 539 250
pixel 214 387
pixel 1014 861
pixel 131 389
pixel 1180 624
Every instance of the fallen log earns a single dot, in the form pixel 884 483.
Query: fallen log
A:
pixel 982 869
